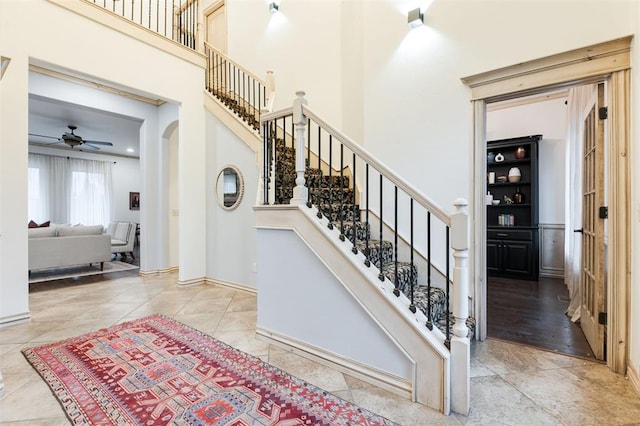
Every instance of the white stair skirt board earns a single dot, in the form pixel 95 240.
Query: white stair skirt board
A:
pixel 79 271
pixel 368 374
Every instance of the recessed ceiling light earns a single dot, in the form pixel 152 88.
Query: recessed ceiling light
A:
pixel 130 150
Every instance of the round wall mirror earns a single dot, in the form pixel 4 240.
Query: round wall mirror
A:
pixel 229 187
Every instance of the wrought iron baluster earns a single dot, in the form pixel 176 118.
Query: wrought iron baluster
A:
pixel 341 217
pixel 330 225
pixel 307 164
pixel 429 322
pixel 354 233
pixel 319 195
pixel 412 306
pixel 447 341
pixel 367 262
pixel 380 275
pixel 396 290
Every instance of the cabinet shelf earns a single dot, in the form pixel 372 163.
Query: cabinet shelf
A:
pixel 514 161
pixel 512 250
pixel 523 183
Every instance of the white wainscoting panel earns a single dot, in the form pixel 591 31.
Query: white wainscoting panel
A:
pixel 551 250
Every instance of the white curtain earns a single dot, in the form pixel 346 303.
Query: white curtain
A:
pixel 577 100
pixel 69 190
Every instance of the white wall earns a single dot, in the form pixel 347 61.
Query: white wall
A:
pixel 416 112
pixel 329 306
pixel 231 237
pixel 30 32
pixel 547 118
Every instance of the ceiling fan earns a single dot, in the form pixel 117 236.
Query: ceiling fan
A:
pixel 73 140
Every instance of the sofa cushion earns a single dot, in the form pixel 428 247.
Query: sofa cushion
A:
pixel 42 232
pixel 67 231
pixel 32 224
pixel 121 232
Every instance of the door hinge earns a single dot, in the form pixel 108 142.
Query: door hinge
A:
pixel 603 113
pixel 602 318
pixel 603 212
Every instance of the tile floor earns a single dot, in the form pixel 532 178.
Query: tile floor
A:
pixel 511 384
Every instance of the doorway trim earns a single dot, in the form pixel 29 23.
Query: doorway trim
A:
pixel 609 61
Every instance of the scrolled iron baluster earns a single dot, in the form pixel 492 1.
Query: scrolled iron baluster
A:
pixel 354 233
pixel 367 262
pixel 396 289
pixel 429 321
pixel 380 275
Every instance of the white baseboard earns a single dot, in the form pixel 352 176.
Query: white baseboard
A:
pixel 170 270
pixel 14 319
pixel 193 281
pixel 235 286
pixel 382 379
pixel 634 378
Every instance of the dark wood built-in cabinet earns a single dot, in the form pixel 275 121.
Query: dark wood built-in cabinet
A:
pixel 512 227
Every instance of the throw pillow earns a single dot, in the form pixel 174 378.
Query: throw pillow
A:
pixel 32 224
pixel 45 224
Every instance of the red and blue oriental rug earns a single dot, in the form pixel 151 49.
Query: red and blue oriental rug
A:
pixel 157 371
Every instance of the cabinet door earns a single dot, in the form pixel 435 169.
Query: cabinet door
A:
pixel 493 256
pixel 517 257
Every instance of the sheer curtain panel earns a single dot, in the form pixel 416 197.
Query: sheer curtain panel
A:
pixel 69 190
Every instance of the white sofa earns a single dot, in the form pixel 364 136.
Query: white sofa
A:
pixel 58 246
pixel 123 235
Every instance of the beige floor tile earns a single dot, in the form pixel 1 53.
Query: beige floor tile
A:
pixel 589 395
pixel 234 321
pixel 309 371
pixel 207 322
pixel 245 340
pixel 494 401
pixel 511 384
pixel 399 409
pixel 243 302
pixel 19 405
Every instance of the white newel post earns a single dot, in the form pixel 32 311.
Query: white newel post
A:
pixel 460 344
pixel 300 121
pixel 271 91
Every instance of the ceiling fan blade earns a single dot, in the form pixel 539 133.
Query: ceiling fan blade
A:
pixel 98 143
pixel 88 145
pixel 44 136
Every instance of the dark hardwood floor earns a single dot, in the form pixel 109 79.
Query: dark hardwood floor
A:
pixel 533 313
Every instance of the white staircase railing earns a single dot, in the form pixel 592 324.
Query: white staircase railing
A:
pixel 379 188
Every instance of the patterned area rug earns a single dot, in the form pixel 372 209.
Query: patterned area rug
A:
pixel 157 371
pixel 79 271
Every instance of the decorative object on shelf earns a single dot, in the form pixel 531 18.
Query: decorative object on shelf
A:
pixel 491 177
pixel 521 152
pixel 506 220
pixel 488 199
pixel 495 202
pixel 514 174
pixel 502 178
pixel 491 157
pixel 518 197
pixel 499 158
pixel 508 200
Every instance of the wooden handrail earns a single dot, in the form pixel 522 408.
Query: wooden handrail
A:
pixel 414 193
pixel 240 67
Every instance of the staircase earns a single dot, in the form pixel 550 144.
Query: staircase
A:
pixel 335 198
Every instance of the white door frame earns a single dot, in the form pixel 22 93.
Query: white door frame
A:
pixel 610 61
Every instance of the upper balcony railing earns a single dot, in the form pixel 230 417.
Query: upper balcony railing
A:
pixel 174 19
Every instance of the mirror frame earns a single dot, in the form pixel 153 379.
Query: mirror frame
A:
pixel 240 189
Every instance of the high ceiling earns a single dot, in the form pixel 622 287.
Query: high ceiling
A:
pixel 50 117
